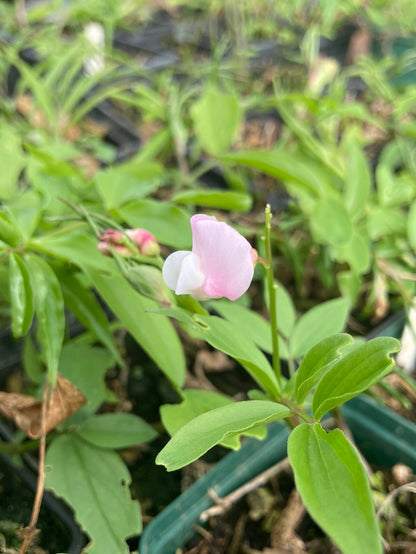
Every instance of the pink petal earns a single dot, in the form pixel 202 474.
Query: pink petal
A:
pixel 225 257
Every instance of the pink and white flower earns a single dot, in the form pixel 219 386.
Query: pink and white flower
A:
pixel 221 262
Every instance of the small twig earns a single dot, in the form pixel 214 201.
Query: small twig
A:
pixel 407 487
pixel 31 531
pixel 283 535
pixel 224 503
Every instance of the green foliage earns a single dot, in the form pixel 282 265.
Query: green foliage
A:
pixel 49 311
pixel 196 402
pixel 95 482
pixel 21 295
pixel 210 428
pixel 133 311
pixel 318 361
pixel 355 373
pixel 118 430
pixel 216 118
pixel 86 366
pixel 334 487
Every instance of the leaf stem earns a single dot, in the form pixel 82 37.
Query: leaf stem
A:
pixel 272 295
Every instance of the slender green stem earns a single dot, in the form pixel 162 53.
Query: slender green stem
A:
pixel 272 295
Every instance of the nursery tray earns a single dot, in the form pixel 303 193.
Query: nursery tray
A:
pixel 384 437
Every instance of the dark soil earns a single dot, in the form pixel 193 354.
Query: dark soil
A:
pixel 271 520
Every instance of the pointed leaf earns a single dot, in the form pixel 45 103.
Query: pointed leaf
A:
pixel 118 430
pixel 317 361
pixel 195 403
pixel 95 483
pixel 223 200
pixel 216 118
pixel 318 323
pixel 21 295
pixel 49 309
pixel 358 180
pixel 355 373
pixel 86 308
pixel 210 428
pixel 330 222
pixel 246 321
pixel 334 487
pixel 154 333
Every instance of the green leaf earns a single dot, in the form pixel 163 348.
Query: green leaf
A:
pixel 49 310
pixel 354 373
pixel 286 313
pixel 216 117
pixel 94 481
pixel 224 336
pixel 334 487
pixel 317 361
pixel 9 232
pixel 125 183
pixel 118 430
pixel 248 322
pixel 411 226
pixel 195 403
pixel 86 308
pixel 357 252
pixel 223 200
pixel 12 160
pixel 330 222
pixel 169 224
pixel 86 366
pixel 279 163
pixel 349 284
pixel 153 333
pixel 205 431
pixel 357 182
pixel 26 210
pixel 319 322
pixel 32 362
pixel 21 295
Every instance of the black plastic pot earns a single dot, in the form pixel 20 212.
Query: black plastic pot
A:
pixel 384 438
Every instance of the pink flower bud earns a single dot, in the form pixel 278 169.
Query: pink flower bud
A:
pixel 221 262
pixel 105 248
pixel 145 241
pixel 112 236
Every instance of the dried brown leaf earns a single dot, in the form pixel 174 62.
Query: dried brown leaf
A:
pixel 25 411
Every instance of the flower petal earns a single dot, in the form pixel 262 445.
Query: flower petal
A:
pixel 191 277
pixel 225 257
pixel 182 273
pixel 172 267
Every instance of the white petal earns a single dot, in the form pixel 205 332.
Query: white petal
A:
pixel 172 267
pixel 191 278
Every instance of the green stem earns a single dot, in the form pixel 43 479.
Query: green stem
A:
pixel 272 295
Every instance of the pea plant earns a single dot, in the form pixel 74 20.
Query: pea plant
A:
pixel 329 473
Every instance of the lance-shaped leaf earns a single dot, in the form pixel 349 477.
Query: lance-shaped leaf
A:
pixel 85 306
pixel 118 430
pixel 94 481
pixel 21 296
pixel 354 373
pixel 49 309
pixel 317 361
pixel 196 402
pixel 334 487
pixel 205 431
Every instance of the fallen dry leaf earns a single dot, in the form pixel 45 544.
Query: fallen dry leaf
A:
pixel 25 411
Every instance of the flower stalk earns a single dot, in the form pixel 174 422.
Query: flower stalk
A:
pixel 271 285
